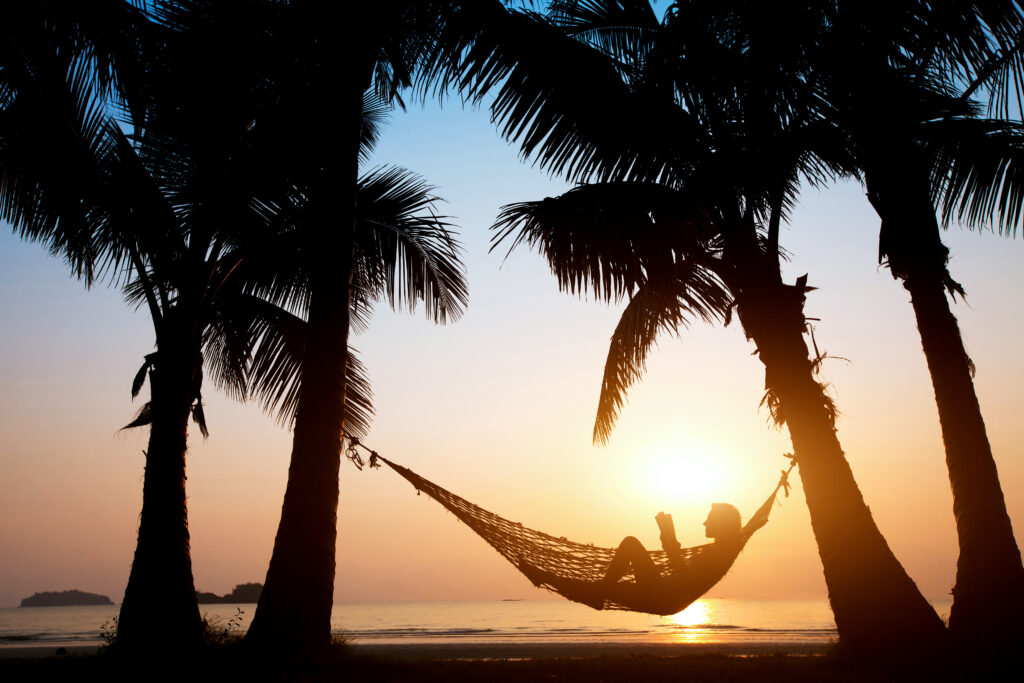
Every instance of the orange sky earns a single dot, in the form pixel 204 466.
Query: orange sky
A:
pixel 499 409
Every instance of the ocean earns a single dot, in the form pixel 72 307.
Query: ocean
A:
pixel 501 622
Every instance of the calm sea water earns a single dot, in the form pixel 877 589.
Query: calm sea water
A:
pixel 527 621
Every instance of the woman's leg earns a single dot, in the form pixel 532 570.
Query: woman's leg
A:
pixel 631 555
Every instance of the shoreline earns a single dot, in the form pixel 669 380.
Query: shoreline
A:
pixel 513 651
pixel 583 650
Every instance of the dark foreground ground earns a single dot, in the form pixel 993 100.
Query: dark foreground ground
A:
pixel 350 664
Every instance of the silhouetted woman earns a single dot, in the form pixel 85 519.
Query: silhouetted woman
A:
pixel 691 574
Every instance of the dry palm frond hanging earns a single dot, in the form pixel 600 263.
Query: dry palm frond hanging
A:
pixel 562 566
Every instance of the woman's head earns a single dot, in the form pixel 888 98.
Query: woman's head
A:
pixel 723 522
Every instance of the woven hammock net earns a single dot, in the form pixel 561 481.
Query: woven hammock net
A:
pixel 565 559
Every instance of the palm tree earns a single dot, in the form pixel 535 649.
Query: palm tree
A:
pixel 928 143
pixel 73 178
pixel 163 210
pixel 189 208
pixel 403 253
pixel 326 68
pixel 695 169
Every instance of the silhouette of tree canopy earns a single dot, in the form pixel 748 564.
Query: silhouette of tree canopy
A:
pixel 905 83
pixel 181 203
pixel 710 160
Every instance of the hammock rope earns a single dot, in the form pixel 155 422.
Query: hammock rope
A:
pixel 528 549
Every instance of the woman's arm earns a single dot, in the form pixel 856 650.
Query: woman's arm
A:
pixel 668 536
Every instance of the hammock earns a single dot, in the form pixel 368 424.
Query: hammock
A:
pixel 568 562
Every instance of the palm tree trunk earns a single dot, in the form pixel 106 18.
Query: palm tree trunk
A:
pixel 159 610
pixel 988 597
pixel 877 607
pixel 294 611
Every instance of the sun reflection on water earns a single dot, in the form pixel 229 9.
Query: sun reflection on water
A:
pixel 686 625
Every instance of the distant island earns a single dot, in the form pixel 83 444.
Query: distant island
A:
pixel 65 599
pixel 243 592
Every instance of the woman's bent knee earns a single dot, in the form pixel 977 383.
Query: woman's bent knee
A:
pixel 632 542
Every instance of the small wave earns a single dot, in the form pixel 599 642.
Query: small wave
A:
pixel 706 627
pixel 22 637
pixel 413 632
pixel 17 638
pixel 732 628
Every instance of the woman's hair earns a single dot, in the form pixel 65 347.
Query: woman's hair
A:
pixel 727 519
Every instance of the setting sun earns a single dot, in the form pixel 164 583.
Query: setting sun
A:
pixel 684 473
pixel 697 614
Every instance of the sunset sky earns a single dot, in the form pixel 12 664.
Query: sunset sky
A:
pixel 499 408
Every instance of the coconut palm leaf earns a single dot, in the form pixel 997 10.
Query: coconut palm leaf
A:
pixel 608 237
pixel 375 111
pixel 55 140
pixel 975 47
pixel 979 171
pixel 404 252
pixel 618 28
pixel 654 244
pixel 142 418
pixel 650 312
pixel 103 39
pixel 508 55
pixel 277 342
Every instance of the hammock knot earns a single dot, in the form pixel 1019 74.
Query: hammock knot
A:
pixel 374 460
pixel 352 453
pixel 784 479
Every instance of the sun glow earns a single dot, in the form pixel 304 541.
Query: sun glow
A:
pixel 687 625
pixel 697 614
pixel 673 474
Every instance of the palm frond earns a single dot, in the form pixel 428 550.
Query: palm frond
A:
pixel 622 29
pixel 973 46
pixel 228 343
pixel 274 375
pixel 404 251
pixel 608 237
pixel 55 139
pixel 648 313
pixel 978 176
pixel 199 416
pixel 375 112
pixel 140 376
pixel 550 113
pixel 359 410
pixel 142 418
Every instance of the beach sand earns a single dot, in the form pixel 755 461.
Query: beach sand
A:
pixel 448 650
pixel 513 651
pixel 500 662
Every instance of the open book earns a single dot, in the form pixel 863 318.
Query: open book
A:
pixel 668 532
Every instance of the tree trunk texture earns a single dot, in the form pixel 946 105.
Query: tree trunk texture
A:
pixel 294 610
pixel 293 615
pixel 159 610
pixel 988 597
pixel 878 609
